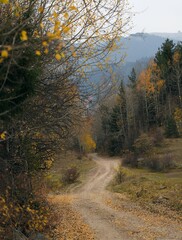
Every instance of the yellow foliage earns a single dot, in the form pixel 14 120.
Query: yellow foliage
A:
pixel 41 25
pixel 62 55
pixel 13 214
pixel 48 163
pixel 46 51
pixel 4 53
pixel 44 43
pixel 3 136
pixel 4 1
pixel 178 114
pixel 74 54
pixel 23 36
pixel 176 57
pixel 52 36
pixel 73 8
pixel 87 142
pixel 35 34
pixel 178 119
pixel 55 14
pixel 57 25
pixel 58 56
pixel 149 79
pixel 66 15
pixel 37 52
pixel 41 9
pixel 65 29
pixel 160 84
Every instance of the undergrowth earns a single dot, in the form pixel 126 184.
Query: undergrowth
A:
pixel 155 179
pixel 69 169
pixel 150 189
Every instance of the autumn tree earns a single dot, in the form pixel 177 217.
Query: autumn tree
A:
pixel 45 50
pixel 40 39
pixel 178 119
pixel 150 101
pixel 177 72
pixel 85 138
pixel 64 31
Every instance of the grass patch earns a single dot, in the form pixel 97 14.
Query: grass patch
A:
pixel 70 160
pixel 155 190
pixel 173 147
pixel 152 189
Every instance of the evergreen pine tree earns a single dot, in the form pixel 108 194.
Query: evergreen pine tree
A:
pixel 171 128
pixel 132 79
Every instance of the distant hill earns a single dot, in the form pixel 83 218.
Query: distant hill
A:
pixel 138 49
pixel 143 45
pixel 175 36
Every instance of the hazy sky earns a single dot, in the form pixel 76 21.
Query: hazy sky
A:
pixel 157 15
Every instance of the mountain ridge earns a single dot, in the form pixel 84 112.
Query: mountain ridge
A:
pixel 138 49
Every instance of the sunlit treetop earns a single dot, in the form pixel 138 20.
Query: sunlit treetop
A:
pixel 149 79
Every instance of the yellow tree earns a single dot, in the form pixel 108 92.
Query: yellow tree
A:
pixel 178 73
pixel 150 84
pixel 86 140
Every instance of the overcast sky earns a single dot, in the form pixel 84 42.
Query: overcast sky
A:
pixel 157 15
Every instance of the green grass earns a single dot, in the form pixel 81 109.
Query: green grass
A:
pixel 155 190
pixel 152 190
pixel 62 162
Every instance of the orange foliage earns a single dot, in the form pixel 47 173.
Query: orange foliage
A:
pixel 176 57
pixel 149 79
pixel 87 142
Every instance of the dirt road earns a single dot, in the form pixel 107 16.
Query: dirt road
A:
pixel 112 216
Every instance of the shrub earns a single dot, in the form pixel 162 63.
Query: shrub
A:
pixel 70 175
pixel 26 217
pixel 168 161
pixel 120 175
pixel 154 163
pixel 143 144
pixel 160 163
pixel 130 159
pixel 158 137
pixel 53 182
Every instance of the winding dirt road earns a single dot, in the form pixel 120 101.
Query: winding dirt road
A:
pixel 112 216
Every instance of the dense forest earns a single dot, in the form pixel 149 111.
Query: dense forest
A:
pixel 150 103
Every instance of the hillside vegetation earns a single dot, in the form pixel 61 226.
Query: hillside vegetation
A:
pixel 69 171
pixel 152 100
pixel 158 191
